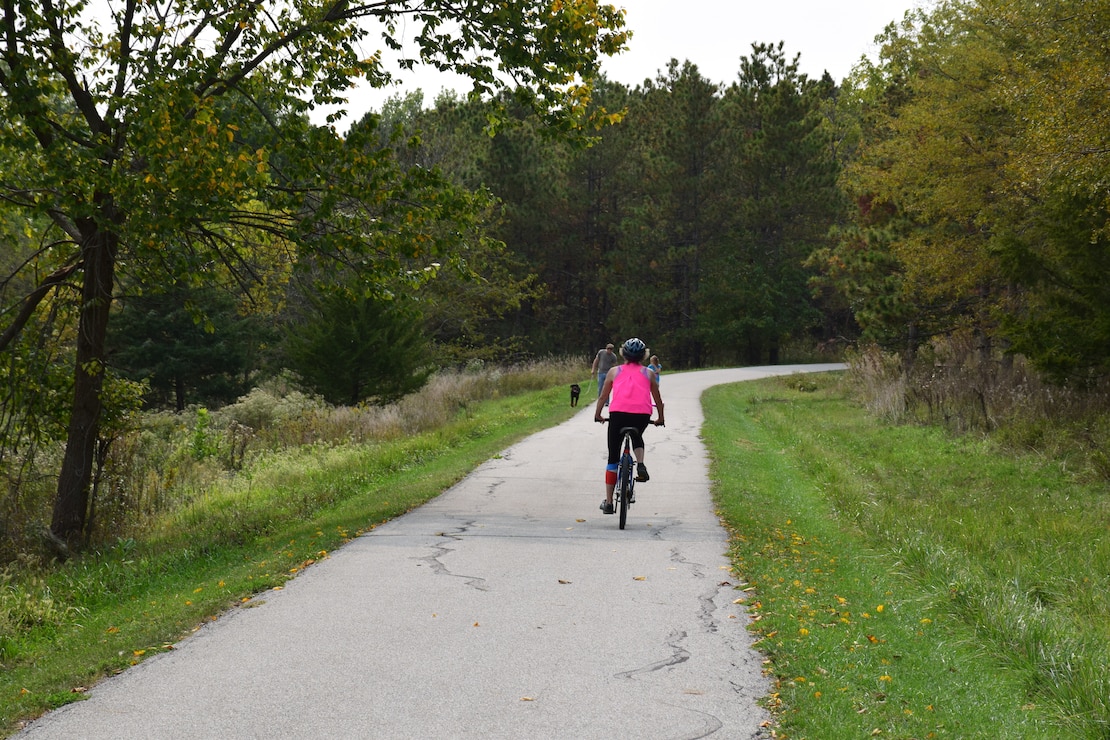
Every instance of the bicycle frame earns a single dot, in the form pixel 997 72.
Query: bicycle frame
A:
pixel 626 480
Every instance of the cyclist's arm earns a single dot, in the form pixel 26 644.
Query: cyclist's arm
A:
pixel 658 401
pixel 602 397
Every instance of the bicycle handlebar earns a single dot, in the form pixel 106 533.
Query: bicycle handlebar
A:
pixel 653 422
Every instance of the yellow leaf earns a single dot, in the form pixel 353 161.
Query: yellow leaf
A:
pixel 639 578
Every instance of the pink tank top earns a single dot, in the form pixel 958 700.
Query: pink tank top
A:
pixel 631 390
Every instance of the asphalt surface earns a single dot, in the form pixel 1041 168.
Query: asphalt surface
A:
pixel 508 607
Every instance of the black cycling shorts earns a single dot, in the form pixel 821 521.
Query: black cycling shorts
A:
pixel 618 420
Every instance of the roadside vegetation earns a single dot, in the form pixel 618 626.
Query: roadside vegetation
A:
pixel 204 515
pixel 906 580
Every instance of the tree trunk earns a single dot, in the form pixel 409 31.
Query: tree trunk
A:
pixel 72 501
pixel 178 392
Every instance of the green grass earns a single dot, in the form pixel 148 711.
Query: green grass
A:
pixel 908 584
pixel 64 628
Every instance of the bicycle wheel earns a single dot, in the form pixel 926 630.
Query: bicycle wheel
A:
pixel 625 481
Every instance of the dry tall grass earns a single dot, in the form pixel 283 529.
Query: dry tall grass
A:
pixel 172 458
pixel 950 384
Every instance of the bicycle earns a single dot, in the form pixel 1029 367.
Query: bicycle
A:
pixel 624 493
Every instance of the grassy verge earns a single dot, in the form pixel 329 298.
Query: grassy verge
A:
pixel 908 584
pixel 67 627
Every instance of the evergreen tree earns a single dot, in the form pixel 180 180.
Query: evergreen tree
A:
pixel 189 345
pixel 350 346
pixel 775 198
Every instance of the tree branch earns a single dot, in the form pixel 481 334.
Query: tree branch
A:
pixel 32 301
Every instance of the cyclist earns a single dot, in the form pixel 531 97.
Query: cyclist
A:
pixel 633 387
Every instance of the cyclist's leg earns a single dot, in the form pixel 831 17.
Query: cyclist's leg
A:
pixel 614 441
pixel 640 422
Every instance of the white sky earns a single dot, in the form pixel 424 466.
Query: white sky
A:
pixel 713 34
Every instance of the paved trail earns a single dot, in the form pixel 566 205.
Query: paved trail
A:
pixel 508 607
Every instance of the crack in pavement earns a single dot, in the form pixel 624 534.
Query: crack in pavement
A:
pixel 708 599
pixel 679 655
pixel 438 551
pixel 712 723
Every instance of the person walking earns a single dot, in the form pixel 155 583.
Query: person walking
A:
pixel 604 361
pixel 656 367
pixel 634 387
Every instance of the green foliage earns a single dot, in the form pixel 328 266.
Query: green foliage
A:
pixel 949 385
pixel 353 347
pixel 148 159
pixel 203 443
pixel 481 281
pixel 190 346
pixel 775 184
pixel 1061 257
pixel 658 263
pixel 982 141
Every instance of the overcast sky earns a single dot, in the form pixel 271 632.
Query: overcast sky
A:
pixel 714 34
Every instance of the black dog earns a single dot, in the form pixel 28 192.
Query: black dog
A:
pixel 575 391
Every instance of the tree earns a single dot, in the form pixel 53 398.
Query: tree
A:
pixel 189 345
pixel 987 140
pixel 654 275
pixel 353 346
pixel 775 198
pixel 168 141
